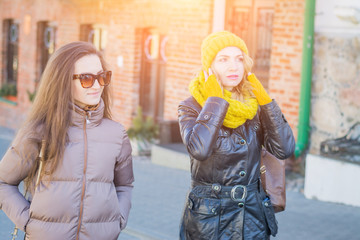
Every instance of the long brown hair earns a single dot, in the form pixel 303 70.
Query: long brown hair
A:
pixel 243 90
pixel 50 118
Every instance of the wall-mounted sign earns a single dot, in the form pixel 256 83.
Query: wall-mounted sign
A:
pixel 120 61
pixel 49 37
pixel 153 48
pixel 163 48
pixel 91 36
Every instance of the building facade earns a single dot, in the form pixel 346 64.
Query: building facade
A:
pixel 153 47
pixel 335 104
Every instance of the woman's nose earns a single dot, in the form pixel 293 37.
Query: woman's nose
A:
pixel 233 65
pixel 96 84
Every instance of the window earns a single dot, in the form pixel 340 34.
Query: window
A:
pixel 10 57
pixel 153 69
pixel 46 37
pixel 94 33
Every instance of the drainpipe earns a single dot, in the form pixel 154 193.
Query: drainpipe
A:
pixel 306 75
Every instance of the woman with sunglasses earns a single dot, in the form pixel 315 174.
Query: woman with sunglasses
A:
pixel 80 186
pixel 224 125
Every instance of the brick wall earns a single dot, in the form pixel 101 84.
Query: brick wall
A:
pixel 184 22
pixel 185 28
pixel 285 81
pixel 28 13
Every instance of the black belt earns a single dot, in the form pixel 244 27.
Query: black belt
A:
pixel 236 193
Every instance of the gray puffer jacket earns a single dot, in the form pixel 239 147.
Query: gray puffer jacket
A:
pixel 89 195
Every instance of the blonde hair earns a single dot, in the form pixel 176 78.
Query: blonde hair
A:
pixel 50 118
pixel 243 90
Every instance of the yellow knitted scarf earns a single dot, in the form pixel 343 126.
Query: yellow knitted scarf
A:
pixel 238 112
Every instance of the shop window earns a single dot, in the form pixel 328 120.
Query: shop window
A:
pixel 10 58
pixel 94 33
pixel 46 42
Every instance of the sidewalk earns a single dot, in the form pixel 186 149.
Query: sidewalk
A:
pixel 159 196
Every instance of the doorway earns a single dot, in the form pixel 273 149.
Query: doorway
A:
pixel 152 74
pixel 252 20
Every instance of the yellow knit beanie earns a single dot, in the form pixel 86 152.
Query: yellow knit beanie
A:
pixel 217 41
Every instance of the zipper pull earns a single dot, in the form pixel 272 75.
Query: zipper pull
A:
pixel 87 117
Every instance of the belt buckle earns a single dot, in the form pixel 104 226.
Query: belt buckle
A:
pixel 233 192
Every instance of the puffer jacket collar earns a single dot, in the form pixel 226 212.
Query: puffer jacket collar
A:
pixel 92 118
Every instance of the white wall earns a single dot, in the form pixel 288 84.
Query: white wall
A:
pixel 332 180
pixel 335 101
pixel 327 21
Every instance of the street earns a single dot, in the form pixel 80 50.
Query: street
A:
pixel 159 195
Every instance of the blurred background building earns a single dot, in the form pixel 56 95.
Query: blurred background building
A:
pixel 153 48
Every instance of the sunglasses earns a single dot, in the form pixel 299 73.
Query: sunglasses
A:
pixel 87 80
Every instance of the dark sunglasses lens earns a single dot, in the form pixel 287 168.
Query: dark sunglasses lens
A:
pixel 87 80
pixel 104 78
pixel 101 79
pixel 108 76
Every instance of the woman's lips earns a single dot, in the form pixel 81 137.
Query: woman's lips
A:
pixel 93 93
pixel 233 77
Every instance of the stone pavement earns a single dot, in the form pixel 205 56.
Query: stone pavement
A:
pixel 159 196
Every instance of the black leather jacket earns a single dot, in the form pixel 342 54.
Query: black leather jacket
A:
pixel 229 157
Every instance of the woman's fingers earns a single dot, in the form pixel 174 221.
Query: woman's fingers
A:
pixel 206 76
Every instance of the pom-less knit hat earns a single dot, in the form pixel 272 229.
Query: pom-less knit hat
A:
pixel 217 41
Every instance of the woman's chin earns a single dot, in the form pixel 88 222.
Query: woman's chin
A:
pixel 230 86
pixel 92 101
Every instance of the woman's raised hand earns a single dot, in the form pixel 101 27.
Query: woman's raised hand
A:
pixel 212 86
pixel 259 91
pixel 207 75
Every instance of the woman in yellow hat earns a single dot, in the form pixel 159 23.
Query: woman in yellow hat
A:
pixel 224 125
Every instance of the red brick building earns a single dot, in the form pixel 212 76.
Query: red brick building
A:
pixel 152 46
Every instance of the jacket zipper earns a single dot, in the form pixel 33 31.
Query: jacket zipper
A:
pixel 86 120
